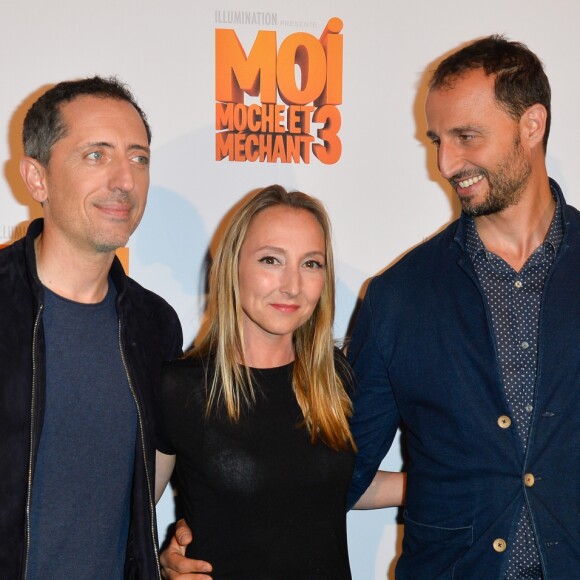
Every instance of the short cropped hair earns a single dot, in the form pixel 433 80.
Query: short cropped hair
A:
pixel 44 125
pixel 520 80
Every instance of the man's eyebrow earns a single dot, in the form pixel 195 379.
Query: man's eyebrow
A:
pixel 140 148
pixel 463 129
pixel 98 144
pixel 132 147
pixel 455 131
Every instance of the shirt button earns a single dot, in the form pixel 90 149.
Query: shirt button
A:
pixel 524 345
pixel 529 480
pixel 499 545
pixel 518 284
pixel 504 421
pixel 529 408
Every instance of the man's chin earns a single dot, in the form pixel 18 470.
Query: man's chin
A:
pixel 475 209
pixel 110 245
pixel 482 209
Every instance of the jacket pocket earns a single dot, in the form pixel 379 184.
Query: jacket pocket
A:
pixel 462 536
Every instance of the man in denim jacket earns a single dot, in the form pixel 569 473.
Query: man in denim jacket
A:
pixel 472 341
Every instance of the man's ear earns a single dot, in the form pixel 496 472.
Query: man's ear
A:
pixel 533 124
pixel 34 175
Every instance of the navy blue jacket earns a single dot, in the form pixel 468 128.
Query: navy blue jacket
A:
pixel 149 333
pixel 424 354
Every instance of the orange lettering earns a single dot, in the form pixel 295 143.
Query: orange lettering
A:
pixel 306 73
pixel 223 144
pixel 329 152
pixel 332 42
pixel 304 50
pixel 236 73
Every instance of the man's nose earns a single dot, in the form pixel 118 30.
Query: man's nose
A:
pixel 449 160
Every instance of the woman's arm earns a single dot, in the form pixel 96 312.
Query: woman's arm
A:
pixel 387 489
pixel 163 470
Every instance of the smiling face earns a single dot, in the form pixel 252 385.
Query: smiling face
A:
pixel 479 148
pixel 94 188
pixel 281 274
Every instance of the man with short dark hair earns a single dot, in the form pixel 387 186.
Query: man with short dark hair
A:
pixel 472 341
pixel 82 347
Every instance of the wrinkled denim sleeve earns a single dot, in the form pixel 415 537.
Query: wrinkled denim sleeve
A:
pixel 375 419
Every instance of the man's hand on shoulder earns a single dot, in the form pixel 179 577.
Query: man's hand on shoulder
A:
pixel 176 566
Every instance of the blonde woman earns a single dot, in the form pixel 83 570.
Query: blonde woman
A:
pixel 256 416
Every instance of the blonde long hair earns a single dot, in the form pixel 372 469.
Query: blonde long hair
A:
pixel 318 386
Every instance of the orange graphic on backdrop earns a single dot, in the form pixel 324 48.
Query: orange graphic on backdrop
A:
pixel 308 121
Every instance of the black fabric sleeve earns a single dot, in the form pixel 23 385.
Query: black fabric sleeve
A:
pixel 166 403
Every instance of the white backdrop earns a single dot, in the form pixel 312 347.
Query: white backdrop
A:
pixel 384 194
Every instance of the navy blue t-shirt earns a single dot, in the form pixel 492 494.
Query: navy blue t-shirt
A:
pixel 81 491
